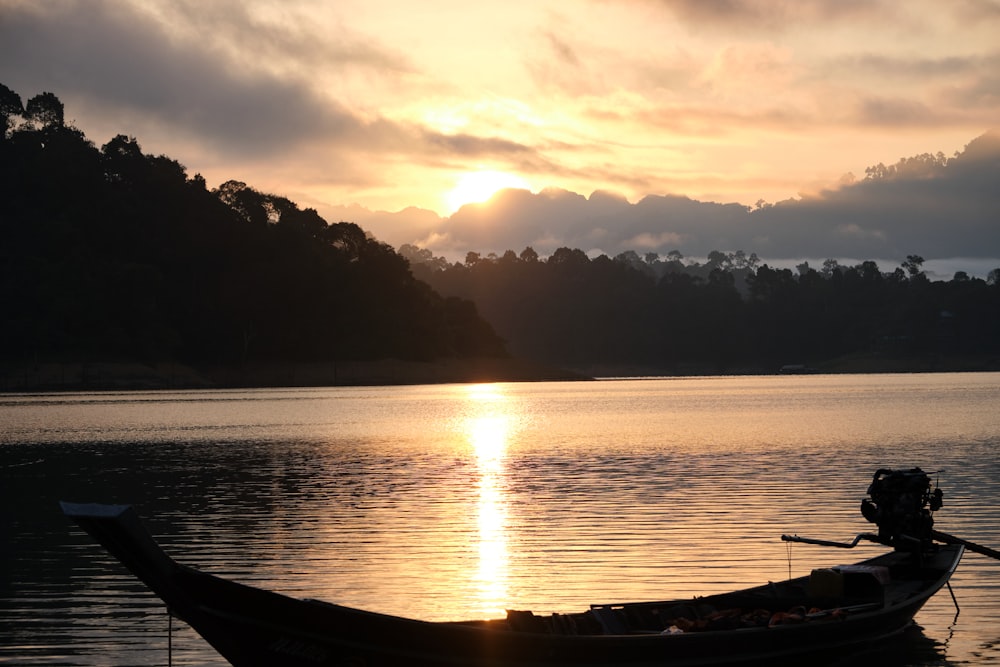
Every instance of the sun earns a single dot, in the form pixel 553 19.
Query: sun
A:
pixel 478 186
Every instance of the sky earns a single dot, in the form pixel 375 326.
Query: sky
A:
pixel 650 125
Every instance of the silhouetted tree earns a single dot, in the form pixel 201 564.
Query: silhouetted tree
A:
pixel 10 107
pixel 45 112
pixel 913 265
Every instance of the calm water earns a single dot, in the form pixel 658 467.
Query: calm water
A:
pixel 460 501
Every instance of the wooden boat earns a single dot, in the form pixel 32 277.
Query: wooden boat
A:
pixel 827 613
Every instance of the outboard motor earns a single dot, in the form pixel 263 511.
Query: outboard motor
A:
pixel 900 502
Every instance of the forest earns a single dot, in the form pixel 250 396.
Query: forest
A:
pixel 114 255
pixel 730 314
pixel 110 254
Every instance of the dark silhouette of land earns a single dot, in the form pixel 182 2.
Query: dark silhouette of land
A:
pixel 647 316
pixel 117 263
pixel 121 270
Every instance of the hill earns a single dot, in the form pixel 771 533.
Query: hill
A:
pixel 115 258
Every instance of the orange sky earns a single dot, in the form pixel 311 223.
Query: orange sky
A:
pixel 390 104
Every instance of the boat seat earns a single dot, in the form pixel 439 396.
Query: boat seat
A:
pixel 612 620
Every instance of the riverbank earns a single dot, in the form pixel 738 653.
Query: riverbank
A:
pixel 131 376
pixel 863 364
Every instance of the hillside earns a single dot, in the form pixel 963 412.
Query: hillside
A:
pixel 113 256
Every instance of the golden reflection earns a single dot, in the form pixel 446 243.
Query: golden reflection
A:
pixel 488 431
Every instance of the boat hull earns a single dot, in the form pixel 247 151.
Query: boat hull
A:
pixel 252 627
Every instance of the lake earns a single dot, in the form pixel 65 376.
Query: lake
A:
pixel 447 502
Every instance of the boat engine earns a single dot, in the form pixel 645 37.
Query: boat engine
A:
pixel 901 503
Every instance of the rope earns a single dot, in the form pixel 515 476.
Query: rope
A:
pixel 788 553
pixel 170 638
pixel 953 599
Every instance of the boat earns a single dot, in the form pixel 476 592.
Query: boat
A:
pixel 829 612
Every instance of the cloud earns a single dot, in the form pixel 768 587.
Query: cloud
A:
pixel 771 14
pixel 284 41
pixel 563 51
pixel 334 103
pixel 225 83
pixel 946 212
pixel 115 58
pixel 465 145
pixel 894 112
pixel 880 65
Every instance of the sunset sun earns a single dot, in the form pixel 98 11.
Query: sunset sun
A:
pixel 478 186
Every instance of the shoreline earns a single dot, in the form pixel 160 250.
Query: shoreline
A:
pixel 134 376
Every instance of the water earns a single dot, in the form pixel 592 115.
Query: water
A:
pixel 460 501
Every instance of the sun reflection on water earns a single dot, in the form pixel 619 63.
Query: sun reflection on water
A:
pixel 488 430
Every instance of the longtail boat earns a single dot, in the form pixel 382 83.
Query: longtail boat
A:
pixel 829 612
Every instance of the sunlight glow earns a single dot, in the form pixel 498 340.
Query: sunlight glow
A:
pixel 479 186
pixel 489 438
pixel 488 431
pixel 486 392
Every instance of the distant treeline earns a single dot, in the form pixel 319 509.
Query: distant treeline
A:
pixel 729 313
pixel 111 254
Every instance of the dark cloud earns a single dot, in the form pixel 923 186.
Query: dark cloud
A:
pixel 915 68
pixel 981 92
pixel 298 39
pixel 106 56
pixel 978 10
pixel 193 84
pixel 956 87
pixel 770 14
pixel 467 145
pixel 563 51
pixel 715 121
pixel 895 112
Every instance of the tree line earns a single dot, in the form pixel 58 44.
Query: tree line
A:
pixel 111 254
pixel 727 314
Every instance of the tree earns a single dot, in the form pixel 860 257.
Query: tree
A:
pixel 422 257
pixel 913 266
pixel 740 260
pixel 829 266
pixel 122 157
pixel 878 172
pixel 10 106
pixel 869 272
pixel 529 255
pixel 718 260
pixel 45 111
pixel 629 258
pixel 250 204
pixel 569 257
